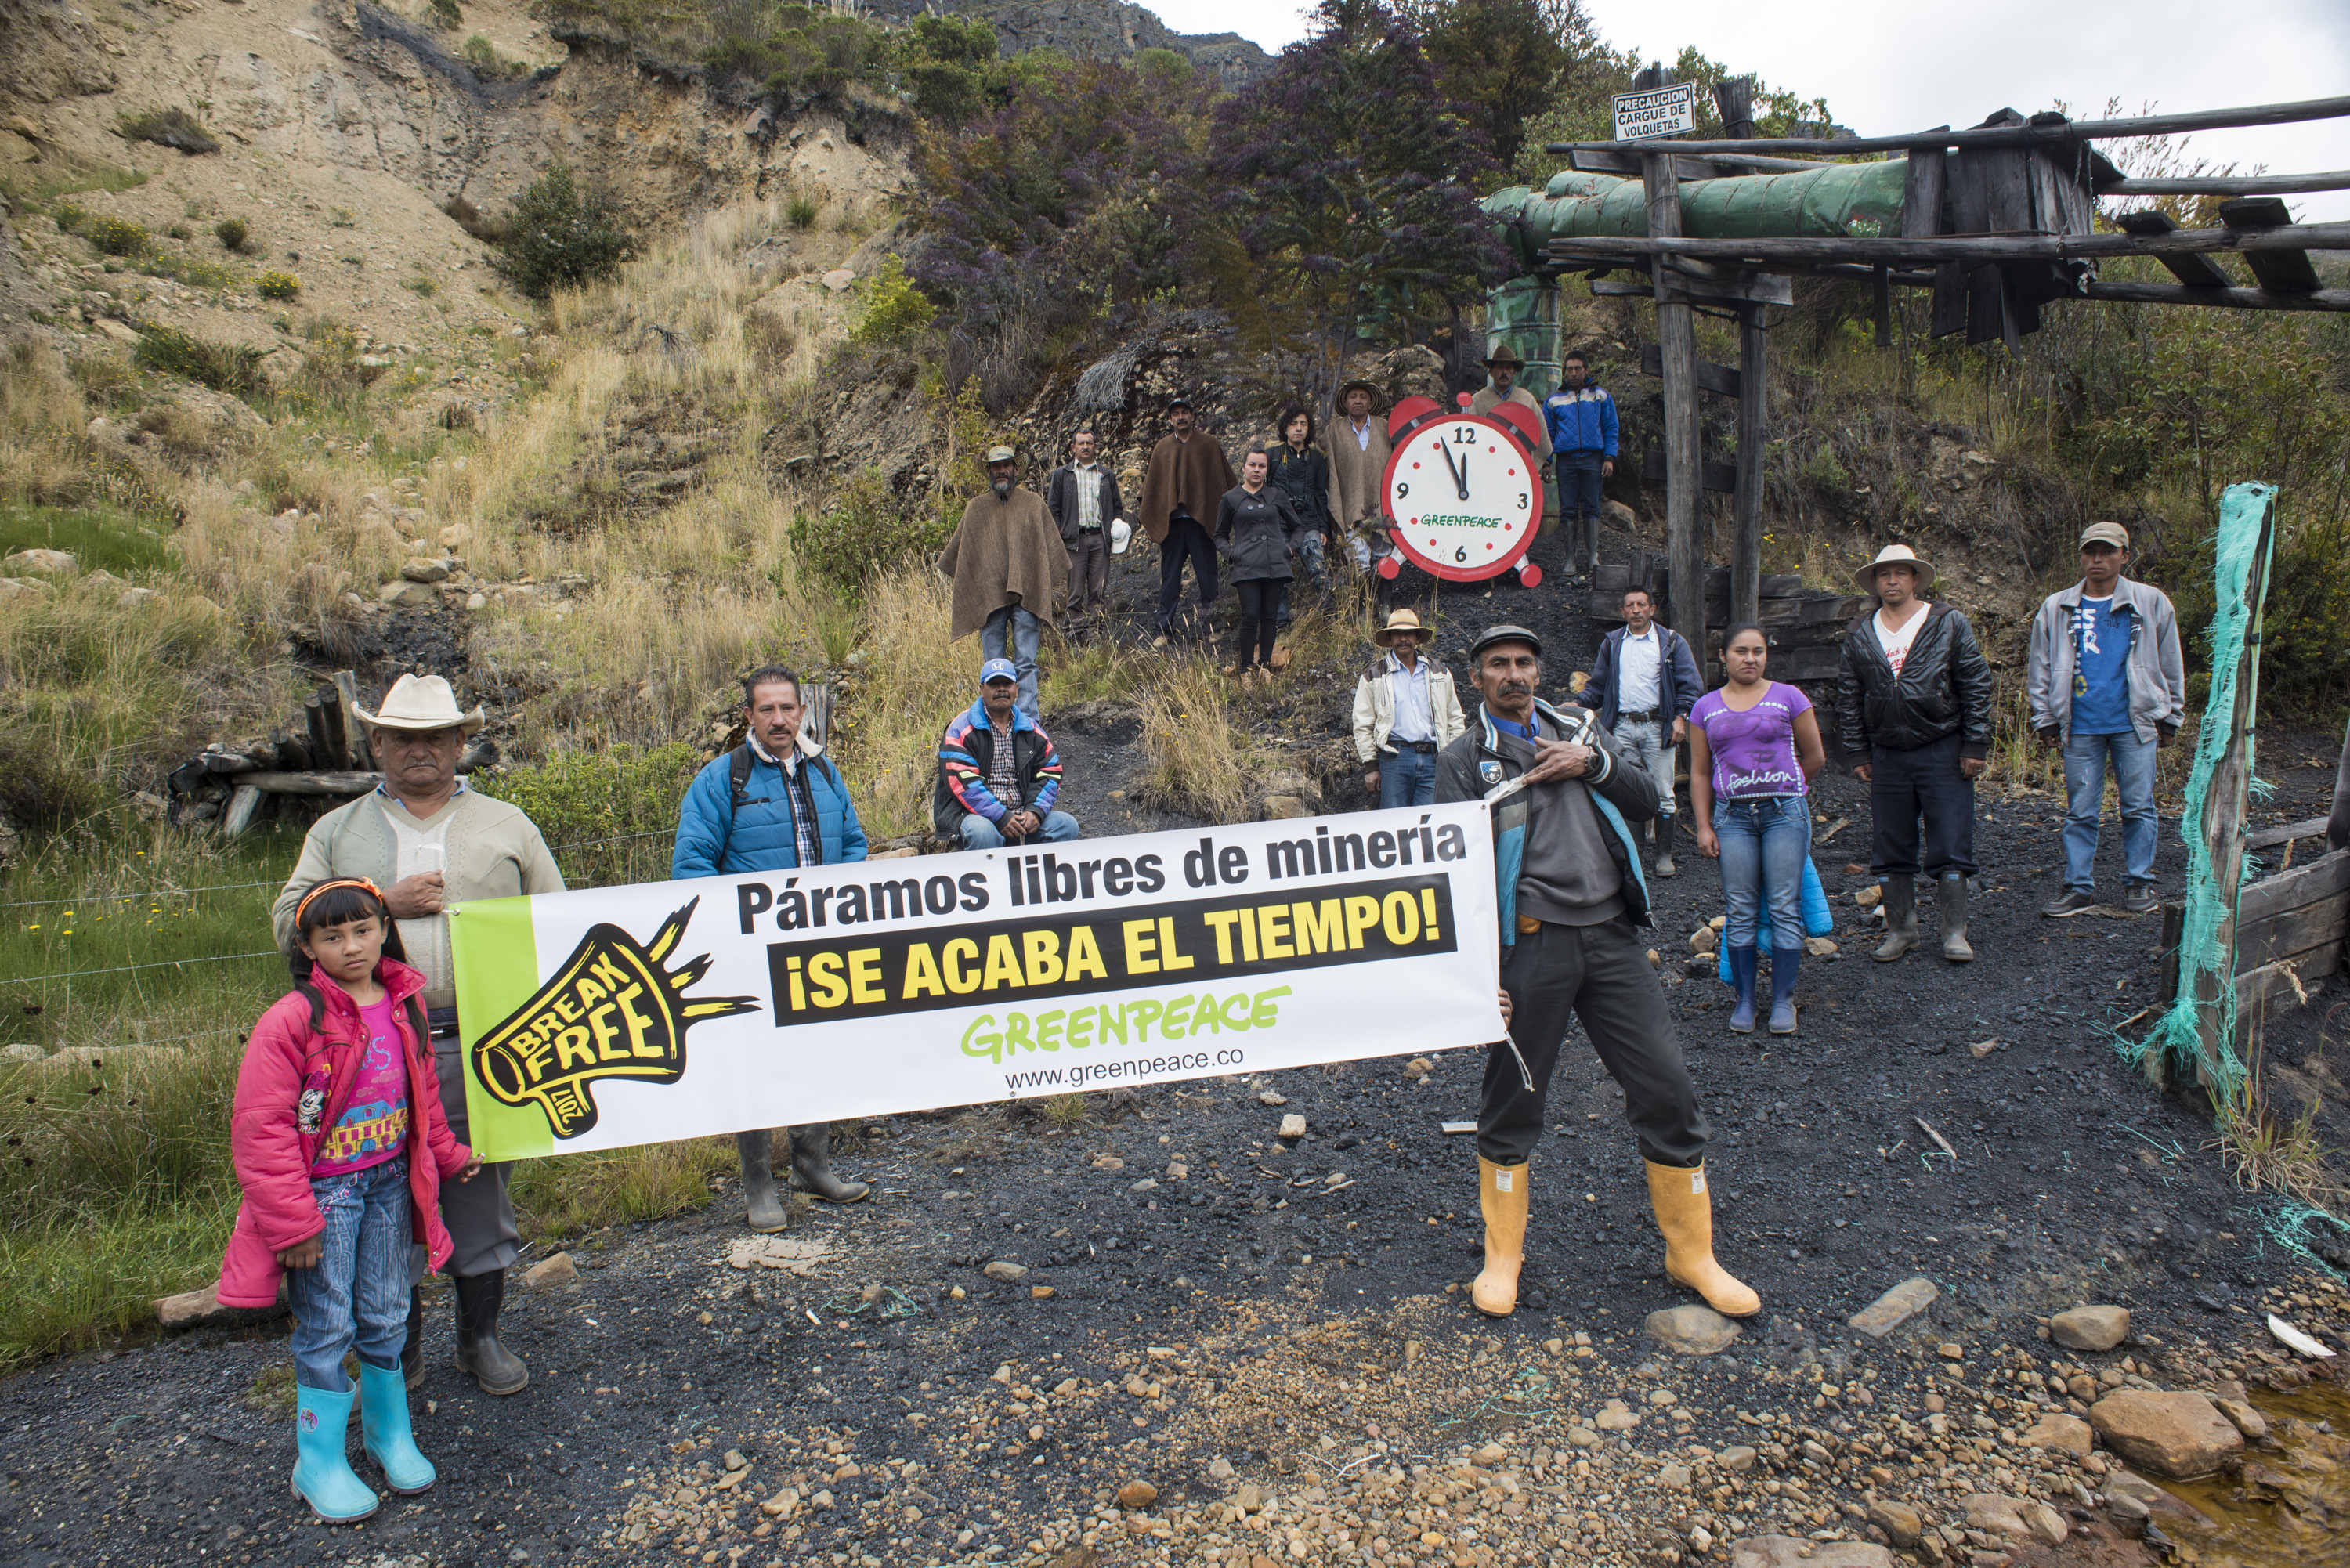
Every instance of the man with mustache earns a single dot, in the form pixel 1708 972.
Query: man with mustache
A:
pixel 1010 570
pixel 1572 898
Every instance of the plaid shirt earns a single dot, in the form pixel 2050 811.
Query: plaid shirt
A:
pixel 806 841
pixel 1001 783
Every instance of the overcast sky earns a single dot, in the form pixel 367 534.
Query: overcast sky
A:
pixel 1882 77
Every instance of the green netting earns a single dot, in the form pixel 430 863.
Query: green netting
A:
pixel 2175 1042
pixel 1833 201
pixel 2291 1229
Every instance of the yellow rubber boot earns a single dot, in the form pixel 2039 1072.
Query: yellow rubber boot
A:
pixel 1501 1192
pixel 1685 1214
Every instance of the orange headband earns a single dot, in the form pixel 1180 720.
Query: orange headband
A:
pixel 336 882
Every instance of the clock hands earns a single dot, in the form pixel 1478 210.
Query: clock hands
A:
pixel 1459 477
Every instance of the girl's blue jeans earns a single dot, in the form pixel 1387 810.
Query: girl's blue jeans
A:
pixel 356 1296
pixel 1763 843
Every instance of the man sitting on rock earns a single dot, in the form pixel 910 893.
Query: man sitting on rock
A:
pixel 774 802
pixel 998 773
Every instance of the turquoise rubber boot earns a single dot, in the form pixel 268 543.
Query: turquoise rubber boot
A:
pixel 390 1442
pixel 1741 976
pixel 322 1478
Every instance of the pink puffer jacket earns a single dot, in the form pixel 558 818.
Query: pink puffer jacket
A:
pixel 286 1058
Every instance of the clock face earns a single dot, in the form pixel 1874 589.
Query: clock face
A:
pixel 1465 495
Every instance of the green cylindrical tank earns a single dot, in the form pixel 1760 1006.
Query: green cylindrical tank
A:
pixel 1521 315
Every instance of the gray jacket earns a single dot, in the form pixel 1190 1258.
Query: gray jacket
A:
pixel 2156 668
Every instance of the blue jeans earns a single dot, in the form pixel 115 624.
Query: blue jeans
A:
pixel 1407 778
pixel 2086 760
pixel 1764 845
pixel 1647 746
pixel 1025 632
pixel 356 1296
pixel 978 832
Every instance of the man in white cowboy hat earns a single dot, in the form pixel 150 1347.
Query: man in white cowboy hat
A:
pixel 1913 701
pixel 1405 710
pixel 1010 570
pixel 431 844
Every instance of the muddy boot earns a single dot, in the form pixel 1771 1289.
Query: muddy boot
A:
pixel 1742 977
pixel 1503 1194
pixel 1665 867
pixel 498 1370
pixel 1786 963
pixel 1950 898
pixel 411 1354
pixel 1900 918
pixel 812 1163
pixel 765 1213
pixel 1685 1214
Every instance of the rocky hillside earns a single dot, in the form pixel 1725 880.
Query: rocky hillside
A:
pixel 1106 29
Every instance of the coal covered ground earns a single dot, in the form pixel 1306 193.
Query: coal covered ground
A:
pixel 1206 1305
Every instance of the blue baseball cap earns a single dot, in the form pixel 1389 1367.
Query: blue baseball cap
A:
pixel 998 670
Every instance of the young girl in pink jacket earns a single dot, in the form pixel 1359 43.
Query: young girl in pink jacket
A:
pixel 340 1145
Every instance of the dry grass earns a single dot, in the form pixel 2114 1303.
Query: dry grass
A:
pixel 1196 761
pixel 914 682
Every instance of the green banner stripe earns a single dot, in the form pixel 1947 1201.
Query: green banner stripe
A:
pixel 497 952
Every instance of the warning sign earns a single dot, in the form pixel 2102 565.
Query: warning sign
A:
pixel 1665 111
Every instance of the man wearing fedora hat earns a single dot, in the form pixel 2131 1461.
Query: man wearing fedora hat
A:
pixel 1010 570
pixel 1913 699
pixel 1406 711
pixel 1502 367
pixel 1358 448
pixel 433 844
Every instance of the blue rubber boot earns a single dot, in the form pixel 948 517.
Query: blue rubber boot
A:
pixel 322 1478
pixel 1742 975
pixel 1784 964
pixel 391 1443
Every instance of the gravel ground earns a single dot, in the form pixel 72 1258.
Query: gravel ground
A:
pixel 1162 1334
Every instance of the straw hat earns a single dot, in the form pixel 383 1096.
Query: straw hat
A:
pixel 1398 620
pixel 421 702
pixel 1894 555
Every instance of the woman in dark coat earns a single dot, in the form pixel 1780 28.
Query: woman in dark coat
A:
pixel 1256 527
pixel 1301 468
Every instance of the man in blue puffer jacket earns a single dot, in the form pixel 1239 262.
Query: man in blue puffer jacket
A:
pixel 1581 423
pixel 774 803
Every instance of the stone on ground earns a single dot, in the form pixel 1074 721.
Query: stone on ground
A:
pixel 1903 1303
pixel 1794 1552
pixel 2177 1434
pixel 558 1270
pixel 1005 1271
pixel 2090 1327
pixel 2065 1434
pixel 1292 1126
pixel 1898 1521
pixel 39 560
pixel 1691 1330
pixel 1137 1494
pixel 2247 1420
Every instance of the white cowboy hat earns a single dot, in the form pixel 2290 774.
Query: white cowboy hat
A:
pixel 421 702
pixel 1398 620
pixel 1120 535
pixel 1894 555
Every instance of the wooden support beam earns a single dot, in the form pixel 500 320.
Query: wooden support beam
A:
pixel 1676 345
pixel 2337 825
pixel 2278 271
pixel 344 781
pixel 2195 271
pixel 1746 528
pixel 241 804
pixel 2230 298
pixel 1619 159
pixel 2054 131
pixel 1975 249
pixel 357 746
pixel 1710 376
pixel 2229 185
pixel 2270 838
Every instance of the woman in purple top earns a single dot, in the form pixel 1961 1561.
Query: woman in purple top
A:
pixel 1753 747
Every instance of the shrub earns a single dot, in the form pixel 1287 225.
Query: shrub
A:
pixel 67 217
pixel 559 236
pixel 231 234
pixel 232 367
pixel 421 287
pixel 166 127
pixel 894 307
pixel 594 809
pixel 178 231
pixel 446 14
pixel 856 534
pixel 800 212
pixel 468 217
pixel 483 57
pixel 277 285
pixel 340 218
pixel 114 237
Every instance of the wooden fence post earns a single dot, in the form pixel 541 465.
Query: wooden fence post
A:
pixel 1676 345
pixel 1754 428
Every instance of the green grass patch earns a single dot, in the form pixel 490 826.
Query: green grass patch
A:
pixel 570 1194
pixel 232 367
pixel 174 128
pixel 101 538
pixel 71 176
pixel 191 270
pixel 114 237
pixel 611 817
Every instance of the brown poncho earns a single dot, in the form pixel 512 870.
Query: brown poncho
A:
pixel 1357 478
pixel 1193 472
pixel 1003 550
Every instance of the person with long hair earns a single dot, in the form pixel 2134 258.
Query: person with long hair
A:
pixel 1256 528
pixel 1754 744
pixel 1301 468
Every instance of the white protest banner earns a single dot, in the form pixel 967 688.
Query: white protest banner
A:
pixel 1662 111
pixel 616 1016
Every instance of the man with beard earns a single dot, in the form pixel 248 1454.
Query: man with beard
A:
pixel 1010 571
pixel 1572 901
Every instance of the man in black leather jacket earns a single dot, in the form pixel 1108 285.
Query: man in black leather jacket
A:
pixel 1914 697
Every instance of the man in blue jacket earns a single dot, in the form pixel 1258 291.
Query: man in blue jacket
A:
pixel 1582 420
pixel 1644 682
pixel 774 802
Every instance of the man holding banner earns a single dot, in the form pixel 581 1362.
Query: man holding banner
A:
pixel 774 802
pixel 1570 895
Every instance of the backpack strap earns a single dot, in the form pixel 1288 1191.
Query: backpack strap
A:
pixel 738 781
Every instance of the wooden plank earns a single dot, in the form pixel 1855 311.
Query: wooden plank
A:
pixel 2338 823
pixel 1753 436
pixel 2174 927
pixel 1711 377
pixel 2330 299
pixel 1732 284
pixel 2282 272
pixel 344 781
pixel 1880 308
pixel 326 750
pixel 2285 833
pixel 2289 932
pixel 357 746
pixel 1972 247
pixel 293 752
pixel 2194 270
pixel 1923 184
pixel 2268 986
pixel 2057 132
pixel 1677 333
pixel 2323 879
pixel 2229 185
pixel 1626 160
pixel 1950 312
pixel 241 802
pixel 1734 99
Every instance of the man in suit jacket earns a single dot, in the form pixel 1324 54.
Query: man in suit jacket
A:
pixel 1084 501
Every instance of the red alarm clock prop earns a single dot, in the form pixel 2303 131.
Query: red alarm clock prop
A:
pixel 1464 493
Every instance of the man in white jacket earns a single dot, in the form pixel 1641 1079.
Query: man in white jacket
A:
pixel 2107 684
pixel 1405 710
